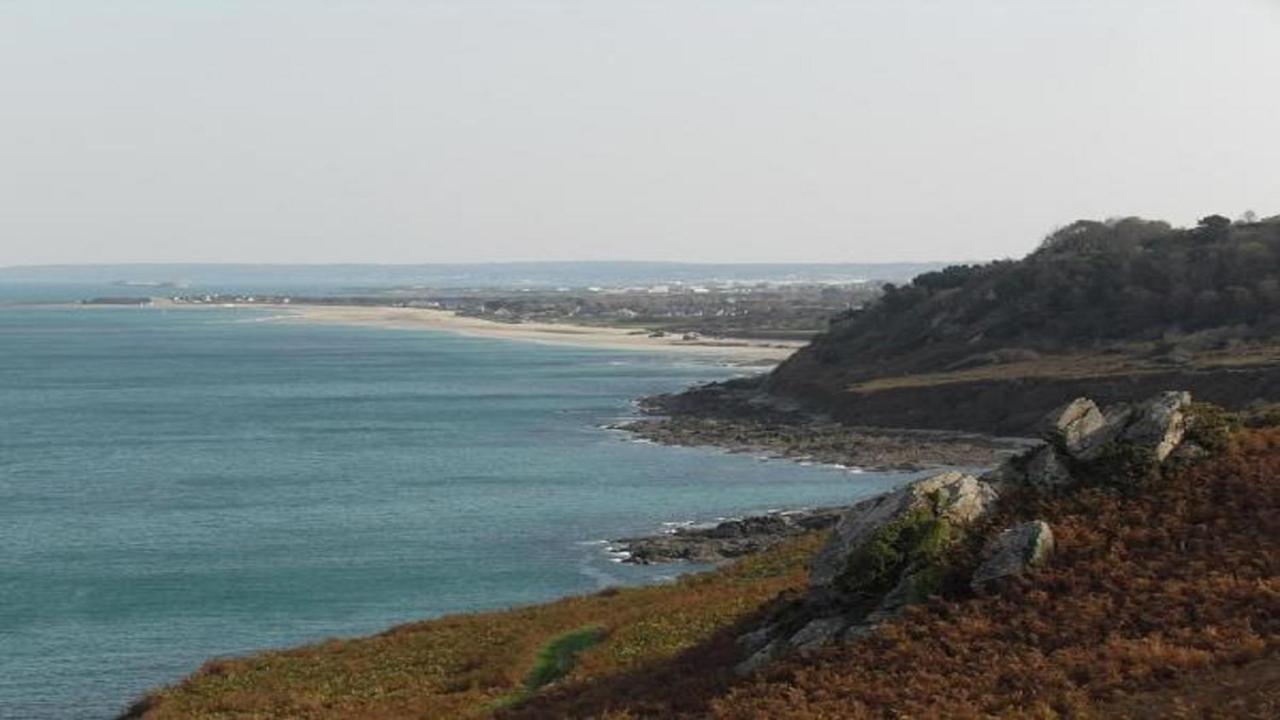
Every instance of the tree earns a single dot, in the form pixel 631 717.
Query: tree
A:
pixel 1213 229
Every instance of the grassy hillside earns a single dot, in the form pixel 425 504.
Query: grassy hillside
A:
pixel 471 665
pixel 1160 602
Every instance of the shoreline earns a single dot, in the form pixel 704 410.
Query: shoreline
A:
pixel 728 539
pixel 745 352
pixel 853 448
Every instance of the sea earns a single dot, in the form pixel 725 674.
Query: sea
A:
pixel 182 484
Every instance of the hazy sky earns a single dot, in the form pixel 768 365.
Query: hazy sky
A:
pixel 388 131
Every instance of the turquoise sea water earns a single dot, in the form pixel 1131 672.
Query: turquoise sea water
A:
pixel 181 484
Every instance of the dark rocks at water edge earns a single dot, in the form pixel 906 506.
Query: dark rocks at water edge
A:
pixel 829 443
pixel 729 539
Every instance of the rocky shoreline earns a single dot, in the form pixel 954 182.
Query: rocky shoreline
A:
pixel 831 443
pixel 726 540
pixel 796 437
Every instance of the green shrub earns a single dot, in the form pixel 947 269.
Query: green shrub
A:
pixel 917 540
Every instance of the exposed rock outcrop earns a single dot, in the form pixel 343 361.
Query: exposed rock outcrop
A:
pixel 1075 427
pixel 1159 423
pixel 883 555
pixel 1014 552
pixel 893 550
pixel 1080 439
pixel 953 497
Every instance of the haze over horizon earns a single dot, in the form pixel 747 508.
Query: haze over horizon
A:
pixel 402 132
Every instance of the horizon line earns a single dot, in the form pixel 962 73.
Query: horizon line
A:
pixel 161 263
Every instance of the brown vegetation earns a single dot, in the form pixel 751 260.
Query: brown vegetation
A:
pixel 1161 602
pixel 1148 593
pixel 470 665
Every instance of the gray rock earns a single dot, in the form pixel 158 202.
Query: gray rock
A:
pixel 760 658
pixel 855 632
pixel 1046 469
pixel 1081 433
pixel 756 640
pixel 1014 552
pixel 912 588
pixel 956 497
pixel 1006 476
pixel 1117 416
pixel 817 633
pixel 1073 426
pixel 1159 423
pixel 1117 419
pixel 729 539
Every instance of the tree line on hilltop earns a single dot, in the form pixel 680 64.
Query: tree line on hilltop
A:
pixel 1088 285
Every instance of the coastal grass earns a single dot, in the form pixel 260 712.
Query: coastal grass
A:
pixel 479 664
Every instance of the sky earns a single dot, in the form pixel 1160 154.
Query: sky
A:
pixel 410 132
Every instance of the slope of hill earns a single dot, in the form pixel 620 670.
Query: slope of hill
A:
pixel 1160 597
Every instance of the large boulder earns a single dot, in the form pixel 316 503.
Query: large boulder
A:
pixel 818 632
pixel 1080 437
pixel 953 497
pixel 1074 427
pixel 1014 552
pixel 884 554
pixel 1158 424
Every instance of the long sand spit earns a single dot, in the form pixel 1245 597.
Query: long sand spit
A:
pixel 740 351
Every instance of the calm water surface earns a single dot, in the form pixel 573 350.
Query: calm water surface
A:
pixel 187 483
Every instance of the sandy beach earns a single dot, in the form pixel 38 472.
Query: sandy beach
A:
pixel 737 351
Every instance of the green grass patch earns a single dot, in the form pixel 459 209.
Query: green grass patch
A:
pixel 555 660
pixel 558 656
